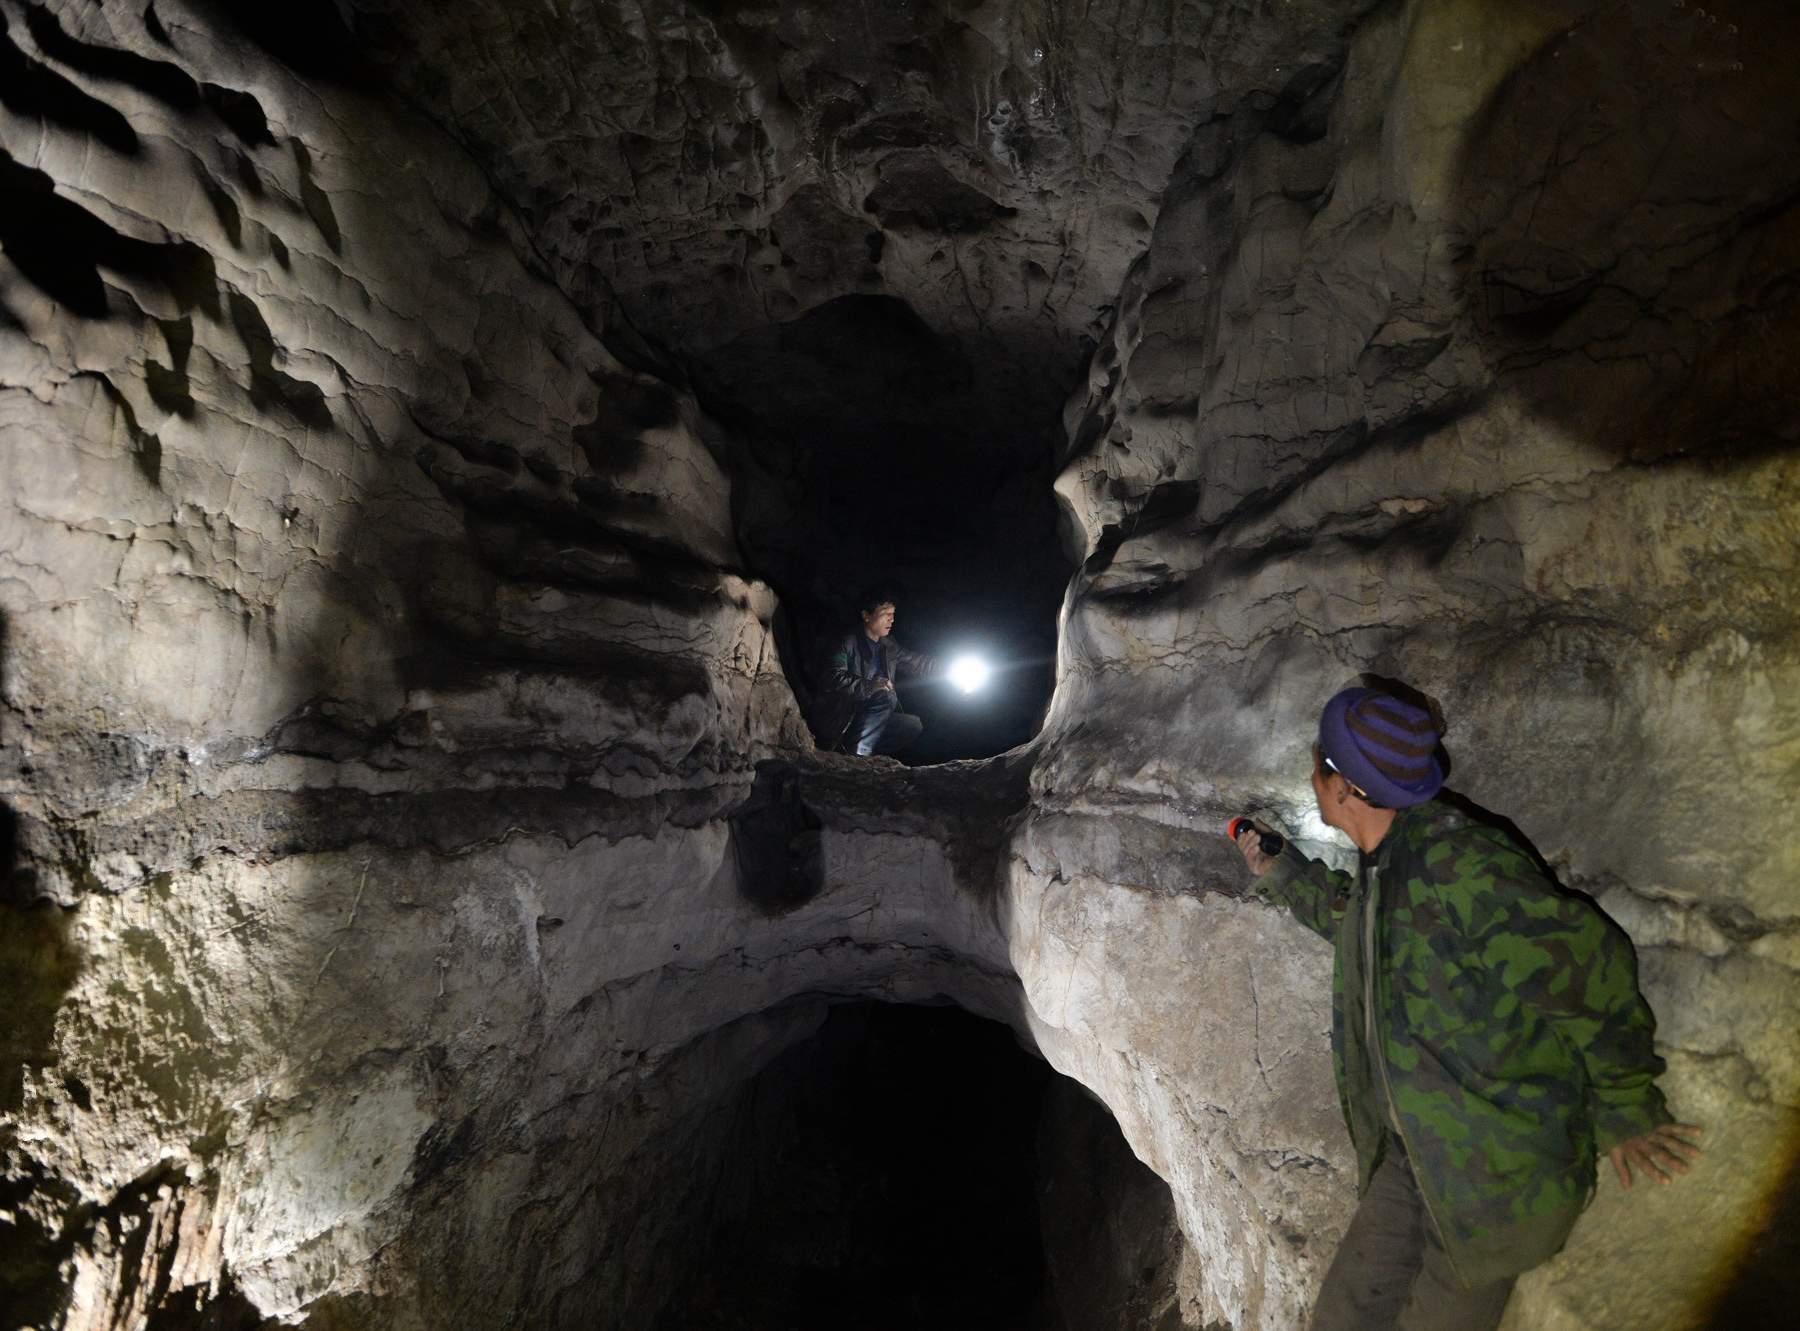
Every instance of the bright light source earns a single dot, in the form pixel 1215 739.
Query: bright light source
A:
pixel 969 673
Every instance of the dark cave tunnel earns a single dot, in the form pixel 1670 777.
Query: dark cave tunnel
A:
pixel 911 1168
pixel 872 450
pixel 869 445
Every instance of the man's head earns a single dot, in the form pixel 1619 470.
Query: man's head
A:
pixel 877 609
pixel 1375 752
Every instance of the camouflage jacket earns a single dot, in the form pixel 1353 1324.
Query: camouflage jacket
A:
pixel 1510 1043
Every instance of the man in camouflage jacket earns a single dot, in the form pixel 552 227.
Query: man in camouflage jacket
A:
pixel 1487 1034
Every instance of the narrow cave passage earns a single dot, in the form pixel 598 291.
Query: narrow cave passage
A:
pixel 909 1168
pixel 871 449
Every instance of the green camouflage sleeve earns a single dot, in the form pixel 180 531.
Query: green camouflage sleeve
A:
pixel 1620 1044
pixel 1557 955
pixel 1314 893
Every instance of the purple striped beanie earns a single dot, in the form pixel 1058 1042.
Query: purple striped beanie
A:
pixel 1383 745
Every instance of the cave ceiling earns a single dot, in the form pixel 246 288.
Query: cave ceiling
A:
pixel 874 219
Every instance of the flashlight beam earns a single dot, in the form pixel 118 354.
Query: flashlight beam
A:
pixel 968 673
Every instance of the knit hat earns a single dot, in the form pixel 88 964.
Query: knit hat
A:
pixel 1383 745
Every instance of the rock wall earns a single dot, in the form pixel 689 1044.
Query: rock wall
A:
pixel 1469 373
pixel 414 835
pixel 366 622
pixel 882 236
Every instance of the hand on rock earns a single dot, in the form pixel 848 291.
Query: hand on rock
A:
pixel 1658 1151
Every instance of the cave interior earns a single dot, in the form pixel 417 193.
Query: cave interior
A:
pixel 440 440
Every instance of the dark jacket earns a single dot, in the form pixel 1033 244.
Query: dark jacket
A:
pixel 1510 1042
pixel 848 679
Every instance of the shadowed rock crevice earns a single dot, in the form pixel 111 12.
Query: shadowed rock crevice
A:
pixel 309 37
pixel 970 809
pixel 168 83
pixel 1657 257
pixel 29 88
pixel 920 195
pixel 61 248
pixel 775 838
pixel 914 1168
pixel 1764 1282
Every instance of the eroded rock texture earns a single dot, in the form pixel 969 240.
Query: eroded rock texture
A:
pixel 1471 373
pixel 347 578
pixel 880 236
pixel 417 850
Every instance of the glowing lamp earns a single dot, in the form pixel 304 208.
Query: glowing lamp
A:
pixel 969 673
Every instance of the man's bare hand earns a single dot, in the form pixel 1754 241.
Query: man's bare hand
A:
pixel 1670 1147
pixel 1249 840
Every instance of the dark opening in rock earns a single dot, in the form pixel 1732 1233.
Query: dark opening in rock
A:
pixel 912 1167
pixel 873 448
pixel 919 194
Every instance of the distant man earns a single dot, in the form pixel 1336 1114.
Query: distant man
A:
pixel 1487 1031
pixel 857 710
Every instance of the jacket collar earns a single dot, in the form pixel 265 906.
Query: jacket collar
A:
pixel 1404 820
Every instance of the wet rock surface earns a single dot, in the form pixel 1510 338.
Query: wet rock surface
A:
pixel 413 847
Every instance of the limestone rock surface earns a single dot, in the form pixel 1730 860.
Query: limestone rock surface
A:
pixel 412 839
pixel 340 557
pixel 1466 376
pixel 879 236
